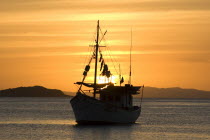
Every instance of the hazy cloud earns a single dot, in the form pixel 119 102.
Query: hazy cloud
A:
pixel 103 6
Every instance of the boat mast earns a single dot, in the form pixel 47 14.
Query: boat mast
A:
pixel 96 61
pixel 120 75
pixel 130 59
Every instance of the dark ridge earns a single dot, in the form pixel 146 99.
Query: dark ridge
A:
pixel 35 91
pixel 149 92
pixel 175 92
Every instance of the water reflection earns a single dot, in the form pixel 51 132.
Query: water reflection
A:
pixel 37 118
pixel 108 131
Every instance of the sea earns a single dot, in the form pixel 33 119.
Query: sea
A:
pixel 53 119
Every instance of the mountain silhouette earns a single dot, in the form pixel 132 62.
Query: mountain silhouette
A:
pixel 149 92
pixel 174 92
pixel 35 91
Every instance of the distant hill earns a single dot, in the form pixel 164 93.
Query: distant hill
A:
pixel 175 92
pixel 149 92
pixel 35 91
pixel 69 93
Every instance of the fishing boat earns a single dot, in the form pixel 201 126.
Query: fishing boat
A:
pixel 110 103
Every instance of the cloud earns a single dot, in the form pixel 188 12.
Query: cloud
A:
pixel 93 6
pixel 196 58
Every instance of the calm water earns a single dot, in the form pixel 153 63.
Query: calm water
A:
pixel 52 118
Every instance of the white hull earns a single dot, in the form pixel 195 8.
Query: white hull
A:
pixel 90 110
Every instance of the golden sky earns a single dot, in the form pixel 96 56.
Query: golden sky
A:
pixel 45 42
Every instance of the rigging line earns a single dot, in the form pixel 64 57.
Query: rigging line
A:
pixel 107 47
pixel 89 50
pixel 89 55
pixel 103 35
pixel 112 58
pixel 84 62
pixel 76 86
pixel 93 36
pixel 142 95
pixel 113 64
pixel 100 31
pixel 84 77
pixel 100 51
pixel 130 58
pixel 108 51
pixel 108 55
pixel 90 59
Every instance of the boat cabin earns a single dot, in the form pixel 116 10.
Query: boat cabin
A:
pixel 120 96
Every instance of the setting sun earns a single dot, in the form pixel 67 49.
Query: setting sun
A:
pixel 103 79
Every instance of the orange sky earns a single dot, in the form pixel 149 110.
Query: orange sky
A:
pixel 44 42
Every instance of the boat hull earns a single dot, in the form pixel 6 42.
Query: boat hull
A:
pixel 88 110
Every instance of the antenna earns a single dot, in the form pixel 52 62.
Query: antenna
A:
pixel 119 75
pixel 129 82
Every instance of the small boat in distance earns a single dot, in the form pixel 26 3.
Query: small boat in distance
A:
pixel 114 103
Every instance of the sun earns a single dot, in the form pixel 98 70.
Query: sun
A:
pixel 103 79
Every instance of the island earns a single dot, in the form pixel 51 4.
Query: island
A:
pixel 149 92
pixel 175 92
pixel 34 91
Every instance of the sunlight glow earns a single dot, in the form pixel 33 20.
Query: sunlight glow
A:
pixel 103 79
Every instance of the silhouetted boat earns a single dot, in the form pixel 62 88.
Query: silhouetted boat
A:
pixel 115 103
